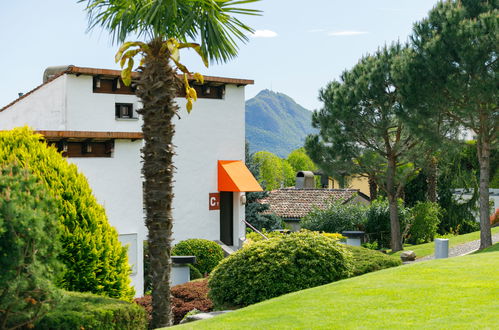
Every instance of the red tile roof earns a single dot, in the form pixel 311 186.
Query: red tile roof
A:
pixel 294 203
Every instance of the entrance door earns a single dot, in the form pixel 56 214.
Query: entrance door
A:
pixel 226 217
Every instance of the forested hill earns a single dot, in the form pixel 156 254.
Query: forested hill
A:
pixel 276 123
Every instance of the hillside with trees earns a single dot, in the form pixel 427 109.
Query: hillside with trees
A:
pixel 276 123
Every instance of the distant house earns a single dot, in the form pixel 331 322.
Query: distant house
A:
pixel 293 204
pixel 91 117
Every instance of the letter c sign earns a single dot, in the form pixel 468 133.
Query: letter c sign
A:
pixel 214 201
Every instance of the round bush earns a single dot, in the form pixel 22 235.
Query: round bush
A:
pixel 208 253
pixel 94 259
pixel 270 268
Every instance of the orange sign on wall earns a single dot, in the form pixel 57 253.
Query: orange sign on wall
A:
pixel 214 201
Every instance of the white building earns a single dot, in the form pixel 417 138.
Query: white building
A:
pixel 92 118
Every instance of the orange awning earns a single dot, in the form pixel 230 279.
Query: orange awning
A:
pixel 233 175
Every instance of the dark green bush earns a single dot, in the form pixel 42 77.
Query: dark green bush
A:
pixel 273 267
pixel 208 253
pixel 94 258
pixel 88 311
pixel 377 224
pixel 424 224
pixel 337 218
pixel 366 260
pixel 28 250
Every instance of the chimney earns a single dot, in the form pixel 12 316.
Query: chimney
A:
pixel 305 180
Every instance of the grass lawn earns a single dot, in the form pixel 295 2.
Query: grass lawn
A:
pixel 423 250
pixel 493 248
pixel 455 293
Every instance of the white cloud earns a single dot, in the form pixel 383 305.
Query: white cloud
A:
pixel 264 34
pixel 346 33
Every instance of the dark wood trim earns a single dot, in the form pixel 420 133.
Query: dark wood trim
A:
pixel 83 135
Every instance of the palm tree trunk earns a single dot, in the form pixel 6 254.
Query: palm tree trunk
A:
pixel 157 90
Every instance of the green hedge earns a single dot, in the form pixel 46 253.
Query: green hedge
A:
pixel 94 258
pixel 270 268
pixel 366 260
pixel 87 311
pixel 208 253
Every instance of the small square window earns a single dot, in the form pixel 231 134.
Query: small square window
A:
pixel 124 110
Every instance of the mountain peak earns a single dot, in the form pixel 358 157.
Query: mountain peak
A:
pixel 276 123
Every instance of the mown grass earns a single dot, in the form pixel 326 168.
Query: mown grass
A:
pixel 493 248
pixel 455 293
pixel 423 250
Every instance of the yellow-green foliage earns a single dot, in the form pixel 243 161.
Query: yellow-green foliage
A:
pixel 335 236
pixel 94 258
pixel 277 266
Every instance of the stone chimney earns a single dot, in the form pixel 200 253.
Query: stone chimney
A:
pixel 305 180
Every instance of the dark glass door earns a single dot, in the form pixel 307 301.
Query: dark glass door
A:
pixel 226 217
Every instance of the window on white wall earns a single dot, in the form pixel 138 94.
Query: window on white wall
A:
pixel 124 111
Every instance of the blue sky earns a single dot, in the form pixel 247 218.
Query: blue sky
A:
pixel 298 48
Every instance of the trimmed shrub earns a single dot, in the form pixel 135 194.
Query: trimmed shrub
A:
pixel 425 220
pixel 28 251
pixel 94 258
pixel 337 218
pixel 208 253
pixel 366 260
pixel 185 298
pixel 88 311
pixel 273 267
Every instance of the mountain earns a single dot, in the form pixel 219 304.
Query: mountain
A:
pixel 276 123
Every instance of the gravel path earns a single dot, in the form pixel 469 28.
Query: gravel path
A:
pixel 462 249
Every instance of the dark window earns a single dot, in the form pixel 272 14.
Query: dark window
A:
pixel 85 149
pixel 112 86
pixel 124 110
pixel 205 91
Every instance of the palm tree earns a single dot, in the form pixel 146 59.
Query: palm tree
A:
pixel 166 24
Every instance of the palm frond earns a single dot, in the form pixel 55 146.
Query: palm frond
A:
pixel 212 23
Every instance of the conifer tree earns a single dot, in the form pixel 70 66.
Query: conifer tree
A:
pixel 94 259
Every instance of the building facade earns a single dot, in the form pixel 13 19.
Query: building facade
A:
pixel 91 117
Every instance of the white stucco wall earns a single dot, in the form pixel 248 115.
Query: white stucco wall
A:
pixel 213 131
pixel 96 111
pixel 43 109
pixel 117 184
